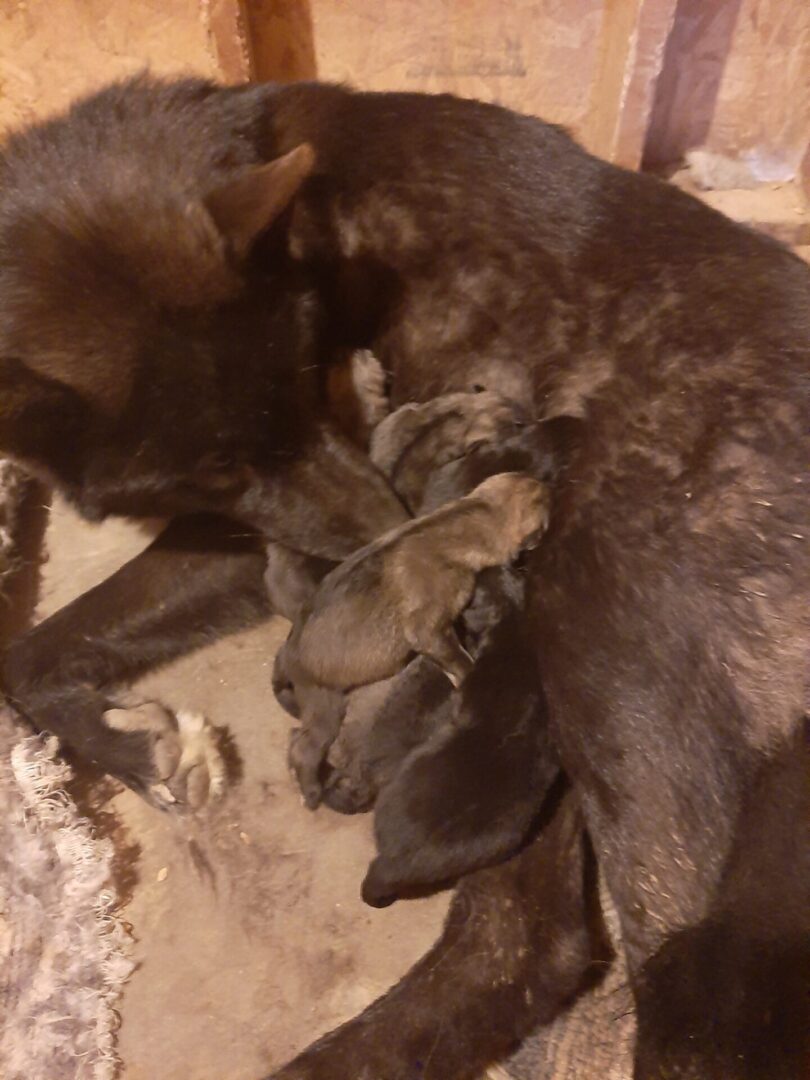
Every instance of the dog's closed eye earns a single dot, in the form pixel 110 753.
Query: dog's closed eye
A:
pixel 221 471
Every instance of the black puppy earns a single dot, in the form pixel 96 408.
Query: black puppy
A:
pixel 470 796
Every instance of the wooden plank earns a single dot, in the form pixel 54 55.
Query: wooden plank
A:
pixel 631 56
pixel 281 39
pixel 536 56
pixel 228 33
pixel 51 52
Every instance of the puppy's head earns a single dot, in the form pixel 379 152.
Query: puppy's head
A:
pixel 142 368
pixel 524 503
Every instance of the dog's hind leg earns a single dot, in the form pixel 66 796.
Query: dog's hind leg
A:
pixel 518 945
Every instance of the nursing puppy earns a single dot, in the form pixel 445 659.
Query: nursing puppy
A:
pixel 401 595
pixel 472 794
pixel 459 780
pixel 433 453
pixel 386 722
pixel 416 440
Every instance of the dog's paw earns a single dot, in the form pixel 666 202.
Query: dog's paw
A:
pixel 184 765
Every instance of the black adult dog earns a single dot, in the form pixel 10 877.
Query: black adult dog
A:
pixel 172 259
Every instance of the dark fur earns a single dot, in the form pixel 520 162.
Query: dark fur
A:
pixel 398 596
pixel 480 990
pixel 416 440
pixel 469 247
pixel 470 796
pixel 482 763
pixel 136 379
pixel 461 779
pixel 466 794
pixel 387 723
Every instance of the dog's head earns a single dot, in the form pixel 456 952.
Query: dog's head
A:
pixel 148 356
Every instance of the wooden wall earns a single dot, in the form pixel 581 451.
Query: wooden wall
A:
pixel 631 78
pixel 736 79
pixel 51 51
pixel 522 54
pixel 547 57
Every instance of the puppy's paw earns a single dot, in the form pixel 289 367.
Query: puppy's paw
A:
pixel 185 767
pixel 347 794
pixel 368 379
pixel 305 760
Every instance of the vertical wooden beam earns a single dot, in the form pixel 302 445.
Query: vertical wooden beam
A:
pixel 631 55
pixel 736 81
pixel 804 172
pixel 282 39
pixel 226 25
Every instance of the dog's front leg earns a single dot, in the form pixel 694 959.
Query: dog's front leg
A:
pixel 326 501
pixel 201 578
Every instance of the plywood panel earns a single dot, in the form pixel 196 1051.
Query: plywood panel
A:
pixel 537 56
pixel 53 50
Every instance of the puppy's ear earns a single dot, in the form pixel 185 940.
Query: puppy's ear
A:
pixel 244 207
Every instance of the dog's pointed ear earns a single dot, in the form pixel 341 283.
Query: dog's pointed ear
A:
pixel 244 207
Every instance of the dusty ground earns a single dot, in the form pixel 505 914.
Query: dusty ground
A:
pixel 250 934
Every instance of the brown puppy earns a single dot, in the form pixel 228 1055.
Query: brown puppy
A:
pixel 397 596
pixel 386 721
pixel 401 593
pixel 410 444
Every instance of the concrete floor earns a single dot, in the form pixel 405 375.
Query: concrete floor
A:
pixel 251 938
